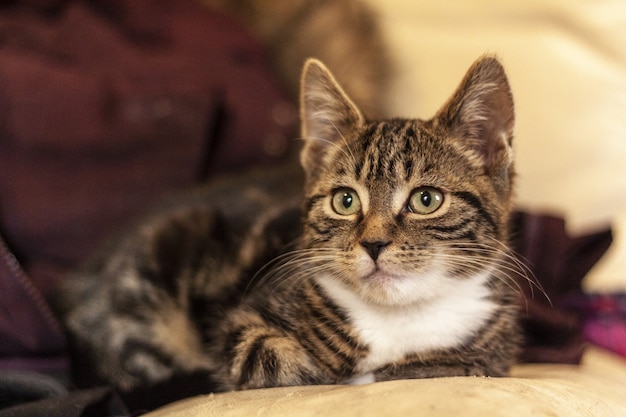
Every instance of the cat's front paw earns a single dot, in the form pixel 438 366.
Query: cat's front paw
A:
pixel 368 378
pixel 269 359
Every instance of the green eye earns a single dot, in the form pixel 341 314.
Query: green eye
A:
pixel 346 202
pixel 425 200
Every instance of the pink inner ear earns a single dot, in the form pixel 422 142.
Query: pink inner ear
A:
pixel 327 113
pixel 481 111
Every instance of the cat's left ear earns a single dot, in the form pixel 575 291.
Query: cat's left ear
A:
pixel 481 114
pixel 327 114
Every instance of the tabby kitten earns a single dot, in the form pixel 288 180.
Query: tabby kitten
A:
pixel 390 262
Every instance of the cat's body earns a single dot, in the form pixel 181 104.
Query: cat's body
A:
pixel 386 261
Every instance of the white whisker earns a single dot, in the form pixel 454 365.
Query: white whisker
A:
pixel 506 265
pixel 293 265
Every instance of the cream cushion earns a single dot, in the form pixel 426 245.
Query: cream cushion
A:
pixel 596 388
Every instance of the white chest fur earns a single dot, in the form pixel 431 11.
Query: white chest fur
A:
pixel 391 332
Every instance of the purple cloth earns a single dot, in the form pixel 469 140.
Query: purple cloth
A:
pixel 105 106
pixel 603 318
pixel 558 263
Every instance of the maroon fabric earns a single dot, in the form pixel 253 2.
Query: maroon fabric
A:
pixel 559 263
pixel 26 321
pixel 104 107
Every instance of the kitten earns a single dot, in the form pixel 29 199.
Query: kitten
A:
pixel 387 260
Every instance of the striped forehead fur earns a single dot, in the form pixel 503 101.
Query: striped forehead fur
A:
pixel 396 151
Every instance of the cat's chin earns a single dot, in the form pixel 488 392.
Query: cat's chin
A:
pixel 398 289
pixel 390 291
pixel 387 282
pixel 392 288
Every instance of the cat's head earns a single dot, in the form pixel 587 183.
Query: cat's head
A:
pixel 398 210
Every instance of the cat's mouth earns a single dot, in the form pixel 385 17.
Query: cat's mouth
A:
pixel 390 288
pixel 382 275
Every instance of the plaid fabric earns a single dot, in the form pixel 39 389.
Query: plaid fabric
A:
pixel 604 321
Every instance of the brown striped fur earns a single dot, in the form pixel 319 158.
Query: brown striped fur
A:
pixel 259 281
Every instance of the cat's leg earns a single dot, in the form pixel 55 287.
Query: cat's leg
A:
pixel 258 354
pixel 446 365
pixel 362 379
pixel 417 371
pixel 129 316
pixel 132 346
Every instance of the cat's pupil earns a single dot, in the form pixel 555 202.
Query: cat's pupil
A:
pixel 347 200
pixel 427 199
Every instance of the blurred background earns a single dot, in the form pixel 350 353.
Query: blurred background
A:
pixel 566 63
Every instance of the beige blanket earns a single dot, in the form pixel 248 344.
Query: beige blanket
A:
pixel 596 388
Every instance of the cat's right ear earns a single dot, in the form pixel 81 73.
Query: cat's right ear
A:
pixel 481 114
pixel 327 114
